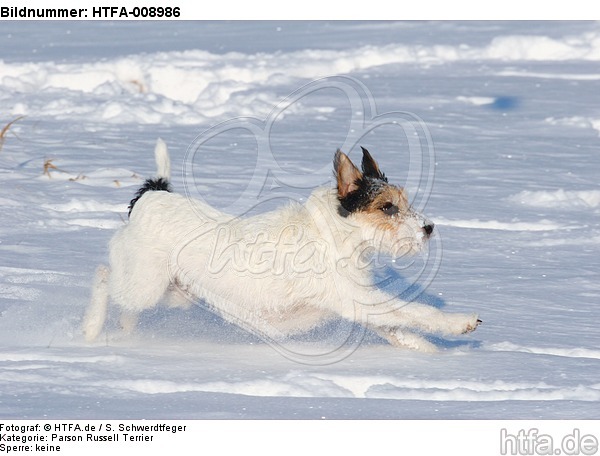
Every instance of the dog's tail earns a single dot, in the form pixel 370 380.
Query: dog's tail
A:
pixel 163 162
pixel 95 316
pixel 163 174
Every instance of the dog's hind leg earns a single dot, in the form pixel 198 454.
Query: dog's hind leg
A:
pixel 138 281
pixel 128 320
pixel 97 310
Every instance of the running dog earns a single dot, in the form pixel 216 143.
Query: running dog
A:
pixel 275 274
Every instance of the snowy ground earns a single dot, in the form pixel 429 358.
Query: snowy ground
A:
pixel 513 113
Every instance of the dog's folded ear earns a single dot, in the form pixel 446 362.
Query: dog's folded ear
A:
pixel 370 167
pixel 346 173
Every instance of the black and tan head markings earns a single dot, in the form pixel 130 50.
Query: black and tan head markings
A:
pixel 390 209
pixel 359 191
pixel 367 191
pixel 360 199
pixel 370 167
pixel 390 202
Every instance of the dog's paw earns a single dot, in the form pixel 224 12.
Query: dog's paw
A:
pixel 457 324
pixel 472 326
pixel 405 339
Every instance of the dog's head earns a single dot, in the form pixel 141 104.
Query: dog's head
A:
pixel 380 210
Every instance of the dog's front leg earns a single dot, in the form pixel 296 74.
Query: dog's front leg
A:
pixel 399 337
pixel 386 311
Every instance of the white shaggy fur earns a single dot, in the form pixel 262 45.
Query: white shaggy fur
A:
pixel 274 274
pixel 163 162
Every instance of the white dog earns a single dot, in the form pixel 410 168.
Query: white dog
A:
pixel 275 274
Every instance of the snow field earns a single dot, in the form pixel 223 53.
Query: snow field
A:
pixel 512 110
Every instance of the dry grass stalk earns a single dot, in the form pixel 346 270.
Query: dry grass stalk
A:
pixel 141 88
pixel 78 178
pixel 6 129
pixel 48 165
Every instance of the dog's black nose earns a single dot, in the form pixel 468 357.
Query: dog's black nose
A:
pixel 428 229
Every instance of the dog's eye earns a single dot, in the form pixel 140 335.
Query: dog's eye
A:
pixel 389 209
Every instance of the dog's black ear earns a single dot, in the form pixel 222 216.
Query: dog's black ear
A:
pixel 346 173
pixel 370 167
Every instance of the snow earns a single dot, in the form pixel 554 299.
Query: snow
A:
pixel 511 111
pixel 560 198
